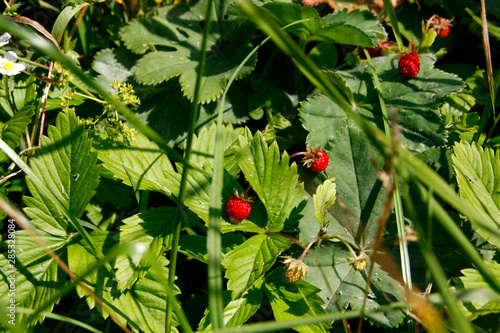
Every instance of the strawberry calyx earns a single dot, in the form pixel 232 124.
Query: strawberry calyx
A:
pixel 314 158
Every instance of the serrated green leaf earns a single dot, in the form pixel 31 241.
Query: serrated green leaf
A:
pixel 348 284
pixel 250 261
pixel 478 177
pixel 238 311
pixel 473 280
pixel 69 169
pixel 203 147
pixel 182 37
pixel 23 94
pixel 198 183
pixel 293 301
pixel 152 230
pixel 37 276
pixel 142 307
pixel 271 177
pixel 15 127
pixel 324 198
pixel 142 159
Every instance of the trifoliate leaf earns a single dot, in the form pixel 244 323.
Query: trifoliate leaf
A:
pixel 250 261
pixel 478 177
pixel 271 177
pixel 175 36
pixel 294 301
pixel 324 198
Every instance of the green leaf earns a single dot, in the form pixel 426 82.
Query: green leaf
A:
pixel 63 19
pixel 493 29
pixel 478 177
pixel 152 230
pixel 294 301
pixel 324 198
pixel 142 306
pixel 348 284
pixel 238 311
pixel 486 302
pixel 203 147
pixel 360 28
pixel 69 169
pixel 177 33
pixel 249 262
pixel 37 276
pixel 271 177
pixel 357 183
pixel 23 91
pixel 415 100
pixel 15 127
pixel 114 64
pixel 143 160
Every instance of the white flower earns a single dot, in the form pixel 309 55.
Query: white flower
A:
pixel 9 66
pixel 4 38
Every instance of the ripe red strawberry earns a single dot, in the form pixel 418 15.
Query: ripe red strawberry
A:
pixel 320 163
pixel 439 24
pixel 315 159
pixel 445 31
pixel 409 64
pixel 238 208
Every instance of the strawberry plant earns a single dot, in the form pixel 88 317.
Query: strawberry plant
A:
pixel 266 166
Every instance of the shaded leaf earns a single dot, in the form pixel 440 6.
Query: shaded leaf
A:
pixel 142 306
pixel 179 33
pixel 293 301
pixel 37 276
pixel 348 284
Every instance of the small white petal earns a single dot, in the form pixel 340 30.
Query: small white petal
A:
pixel 10 56
pixel 4 39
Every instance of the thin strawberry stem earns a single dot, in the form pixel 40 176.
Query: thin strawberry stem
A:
pixel 308 247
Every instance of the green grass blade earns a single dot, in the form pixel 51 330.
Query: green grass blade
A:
pixel 394 23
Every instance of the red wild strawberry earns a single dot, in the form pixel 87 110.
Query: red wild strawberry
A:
pixel 440 24
pixel 315 159
pixel 409 64
pixel 238 208
pixel 445 31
